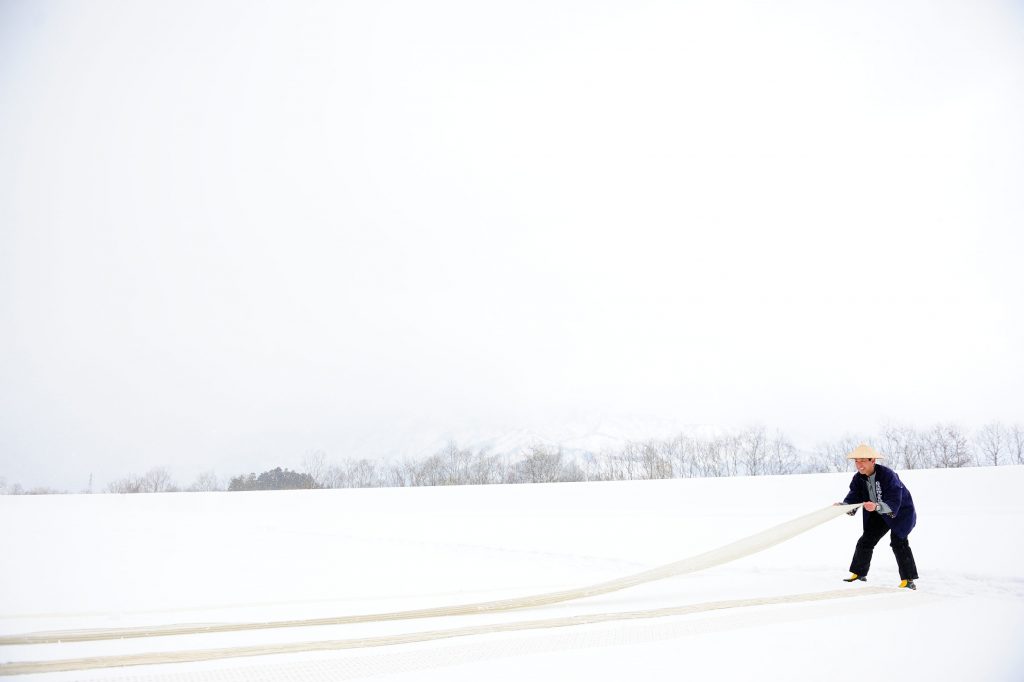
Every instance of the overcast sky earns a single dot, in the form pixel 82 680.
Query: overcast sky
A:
pixel 234 233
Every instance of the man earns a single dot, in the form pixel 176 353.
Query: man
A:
pixel 888 506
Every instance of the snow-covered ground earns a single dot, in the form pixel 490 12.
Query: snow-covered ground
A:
pixel 107 561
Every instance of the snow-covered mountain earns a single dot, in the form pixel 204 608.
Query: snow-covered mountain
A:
pixel 575 437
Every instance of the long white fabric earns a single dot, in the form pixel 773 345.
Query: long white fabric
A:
pixel 731 552
pixel 196 655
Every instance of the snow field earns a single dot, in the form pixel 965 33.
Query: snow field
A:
pixel 106 561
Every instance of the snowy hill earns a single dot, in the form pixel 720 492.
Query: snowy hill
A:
pixel 575 437
pixel 75 563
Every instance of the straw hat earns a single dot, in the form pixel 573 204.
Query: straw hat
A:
pixel 864 451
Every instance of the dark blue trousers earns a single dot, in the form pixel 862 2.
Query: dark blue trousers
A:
pixel 875 529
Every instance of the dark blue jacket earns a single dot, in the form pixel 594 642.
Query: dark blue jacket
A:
pixel 889 489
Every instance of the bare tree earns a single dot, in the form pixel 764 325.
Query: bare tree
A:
pixel 129 484
pixel 680 452
pixel 710 457
pixel 206 482
pixel 657 462
pixel 362 473
pixel 993 443
pixel 752 450
pixel 333 476
pixel 1016 438
pixel 831 457
pixel 485 469
pixel 625 466
pixel 782 457
pixel 430 471
pixel 455 464
pixel 44 490
pixel 401 474
pixel 948 446
pixel 905 447
pixel 572 472
pixel 539 466
pixel 157 480
pixel 648 460
pixel 7 488
pixel 315 464
pixel 591 466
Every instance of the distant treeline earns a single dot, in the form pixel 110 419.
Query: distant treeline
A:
pixel 748 452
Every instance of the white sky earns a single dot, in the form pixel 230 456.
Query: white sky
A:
pixel 232 233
